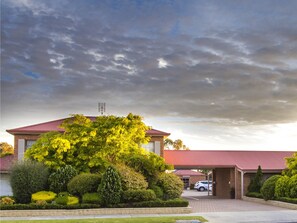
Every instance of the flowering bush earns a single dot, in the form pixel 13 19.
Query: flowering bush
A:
pixel 47 196
pixel 41 202
pixel 7 200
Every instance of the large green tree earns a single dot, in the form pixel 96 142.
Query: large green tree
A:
pixel 88 145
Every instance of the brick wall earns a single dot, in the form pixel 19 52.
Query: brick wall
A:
pixel 26 137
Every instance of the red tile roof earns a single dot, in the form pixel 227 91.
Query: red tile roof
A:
pixel 54 126
pixel 188 173
pixel 244 160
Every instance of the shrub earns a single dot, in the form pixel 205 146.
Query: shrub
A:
pixel 178 202
pixel 150 165
pixel 41 202
pixel 62 198
pixel 84 183
pixel 7 201
pixel 110 187
pixel 138 195
pixel 293 186
pixel 130 179
pixel 282 188
pixel 254 194
pixel 256 182
pixel 288 200
pixel 47 196
pixel 92 198
pixel 171 185
pixel 59 179
pixel 27 177
pixel 268 188
pixel 72 200
pixel 158 191
pixel 65 199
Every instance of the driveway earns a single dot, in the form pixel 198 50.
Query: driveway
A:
pixel 227 210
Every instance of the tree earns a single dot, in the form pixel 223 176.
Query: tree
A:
pixel 176 144
pixel 292 165
pixel 5 149
pixel 257 182
pixel 149 164
pixel 90 146
pixel 110 187
pixel 168 143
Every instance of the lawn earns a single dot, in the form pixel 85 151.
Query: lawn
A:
pixel 171 219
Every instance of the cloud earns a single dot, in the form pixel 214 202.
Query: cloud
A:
pixel 213 67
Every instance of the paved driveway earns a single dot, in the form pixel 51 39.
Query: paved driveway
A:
pixel 227 210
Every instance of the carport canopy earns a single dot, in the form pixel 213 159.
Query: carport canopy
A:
pixel 243 160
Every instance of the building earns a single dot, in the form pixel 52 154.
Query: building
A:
pixel 232 170
pixel 190 177
pixel 24 137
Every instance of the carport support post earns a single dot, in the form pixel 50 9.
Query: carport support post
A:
pixel 242 182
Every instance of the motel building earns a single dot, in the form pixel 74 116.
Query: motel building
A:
pixel 231 170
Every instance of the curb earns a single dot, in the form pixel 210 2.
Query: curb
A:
pixel 95 211
pixel 273 203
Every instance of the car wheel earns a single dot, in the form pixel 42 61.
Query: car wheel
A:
pixel 201 189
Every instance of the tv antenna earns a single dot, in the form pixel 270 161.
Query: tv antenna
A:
pixel 101 107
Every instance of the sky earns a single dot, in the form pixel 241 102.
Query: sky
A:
pixel 220 75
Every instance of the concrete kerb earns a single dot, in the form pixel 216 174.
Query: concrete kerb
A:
pixel 273 203
pixel 96 211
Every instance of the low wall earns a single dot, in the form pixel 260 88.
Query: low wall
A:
pixel 95 211
pixel 274 203
pixel 6 163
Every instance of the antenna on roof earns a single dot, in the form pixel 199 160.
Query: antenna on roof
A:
pixel 101 107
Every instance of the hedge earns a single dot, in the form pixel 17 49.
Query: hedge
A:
pixel 179 202
pixel 34 206
pixel 288 200
pixel 254 194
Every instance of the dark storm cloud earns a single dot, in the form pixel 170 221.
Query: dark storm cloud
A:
pixel 203 60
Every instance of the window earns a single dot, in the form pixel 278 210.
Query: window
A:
pixel 149 147
pixel 29 143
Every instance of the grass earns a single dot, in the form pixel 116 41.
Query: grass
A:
pixel 171 219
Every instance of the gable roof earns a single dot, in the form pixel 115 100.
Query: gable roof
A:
pixel 244 160
pixel 54 126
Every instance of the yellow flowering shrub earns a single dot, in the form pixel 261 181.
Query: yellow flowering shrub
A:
pixel 72 200
pixel 7 200
pixel 47 196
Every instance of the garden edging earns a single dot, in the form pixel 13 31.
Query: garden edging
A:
pixel 95 211
pixel 271 202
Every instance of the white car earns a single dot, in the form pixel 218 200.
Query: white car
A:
pixel 203 185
